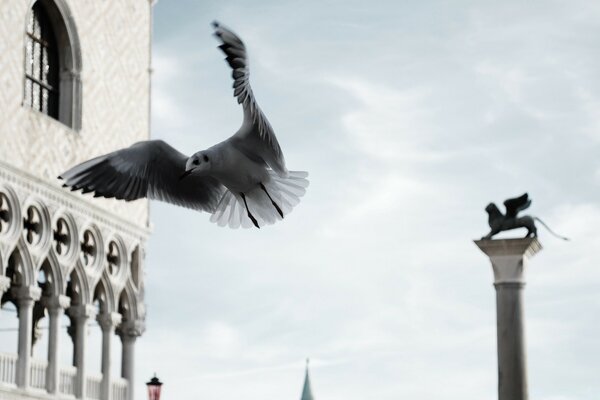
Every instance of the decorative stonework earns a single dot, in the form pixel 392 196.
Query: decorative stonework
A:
pixel 115 83
pixel 64 252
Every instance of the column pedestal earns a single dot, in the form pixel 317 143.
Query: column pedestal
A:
pixel 509 258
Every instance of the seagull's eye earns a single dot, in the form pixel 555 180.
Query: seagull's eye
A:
pixel 196 161
pixel 205 158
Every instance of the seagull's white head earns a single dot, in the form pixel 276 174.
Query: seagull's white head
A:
pixel 198 164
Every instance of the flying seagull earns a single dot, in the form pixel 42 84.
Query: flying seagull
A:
pixel 242 181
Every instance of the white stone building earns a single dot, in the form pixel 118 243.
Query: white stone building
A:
pixel 74 83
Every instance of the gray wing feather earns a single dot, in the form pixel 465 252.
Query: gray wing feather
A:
pixel 256 137
pixel 146 169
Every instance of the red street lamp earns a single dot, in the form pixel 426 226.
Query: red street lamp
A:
pixel 154 388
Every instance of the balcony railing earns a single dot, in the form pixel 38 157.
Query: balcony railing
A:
pixel 68 375
pixel 38 374
pixel 8 369
pixel 93 387
pixel 119 389
pixel 67 380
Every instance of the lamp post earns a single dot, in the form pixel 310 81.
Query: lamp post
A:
pixel 154 388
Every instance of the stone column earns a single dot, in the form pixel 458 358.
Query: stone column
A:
pixel 129 332
pixel 107 322
pixel 80 314
pixel 56 306
pixel 25 297
pixel 509 258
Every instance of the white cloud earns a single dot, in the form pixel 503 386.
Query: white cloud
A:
pixel 375 274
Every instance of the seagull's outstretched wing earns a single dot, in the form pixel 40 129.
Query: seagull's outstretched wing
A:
pixel 146 169
pixel 513 206
pixel 255 138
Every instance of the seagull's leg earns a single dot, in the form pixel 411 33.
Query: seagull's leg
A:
pixel 248 210
pixel 272 202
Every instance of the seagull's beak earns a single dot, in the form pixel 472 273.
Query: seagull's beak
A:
pixel 186 173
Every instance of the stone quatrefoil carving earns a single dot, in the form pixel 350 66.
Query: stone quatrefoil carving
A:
pixel 4 213
pixel 88 248
pixel 61 237
pixel 113 258
pixel 32 225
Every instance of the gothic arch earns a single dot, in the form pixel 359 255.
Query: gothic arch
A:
pixel 135 269
pixel 105 295
pixel 56 274
pixel 21 264
pixel 70 63
pixel 78 287
pixel 128 304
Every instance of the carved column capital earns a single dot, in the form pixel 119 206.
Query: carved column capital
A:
pixel 60 302
pixel 131 329
pixel 109 320
pixel 26 293
pixel 4 284
pixel 82 311
pixel 509 257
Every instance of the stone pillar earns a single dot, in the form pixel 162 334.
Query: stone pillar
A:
pixel 509 258
pixel 56 306
pixel 80 314
pixel 129 332
pixel 25 297
pixel 107 322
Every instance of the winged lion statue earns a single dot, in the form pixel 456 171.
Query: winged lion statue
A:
pixel 511 220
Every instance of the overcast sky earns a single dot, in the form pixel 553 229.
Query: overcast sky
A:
pixel 411 116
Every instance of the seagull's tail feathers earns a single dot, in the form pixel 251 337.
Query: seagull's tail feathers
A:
pixel 284 191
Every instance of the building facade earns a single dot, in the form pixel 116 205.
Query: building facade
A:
pixel 74 84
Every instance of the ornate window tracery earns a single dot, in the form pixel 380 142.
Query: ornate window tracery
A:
pixel 62 237
pixel 32 225
pixel 113 258
pixel 5 217
pixel 89 248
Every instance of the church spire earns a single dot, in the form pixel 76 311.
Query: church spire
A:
pixel 306 391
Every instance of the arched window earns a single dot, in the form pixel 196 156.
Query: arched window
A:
pixel 53 63
pixel 41 66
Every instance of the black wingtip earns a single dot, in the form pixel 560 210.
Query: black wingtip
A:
pixel 60 177
pixel 215 24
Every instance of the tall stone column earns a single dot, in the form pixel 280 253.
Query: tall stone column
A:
pixel 56 306
pixel 107 322
pixel 509 258
pixel 129 332
pixel 80 314
pixel 25 297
